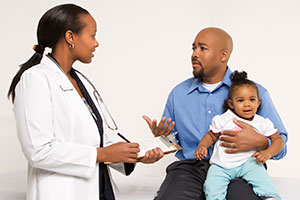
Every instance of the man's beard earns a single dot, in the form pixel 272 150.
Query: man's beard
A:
pixel 199 74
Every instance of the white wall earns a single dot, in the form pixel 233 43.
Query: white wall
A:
pixel 145 49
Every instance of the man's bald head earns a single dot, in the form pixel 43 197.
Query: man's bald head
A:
pixel 219 37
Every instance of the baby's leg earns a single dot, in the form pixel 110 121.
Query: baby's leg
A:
pixel 217 180
pixel 256 175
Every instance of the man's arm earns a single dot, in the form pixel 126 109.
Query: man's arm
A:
pixel 268 110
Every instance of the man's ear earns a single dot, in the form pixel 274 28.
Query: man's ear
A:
pixel 69 37
pixel 224 55
pixel 230 104
pixel 259 101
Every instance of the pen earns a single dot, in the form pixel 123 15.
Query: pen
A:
pixel 123 137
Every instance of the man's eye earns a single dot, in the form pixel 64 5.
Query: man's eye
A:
pixel 252 100
pixel 203 48
pixel 193 48
pixel 240 100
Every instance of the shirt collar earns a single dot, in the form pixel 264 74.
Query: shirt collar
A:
pixel 52 64
pixel 197 83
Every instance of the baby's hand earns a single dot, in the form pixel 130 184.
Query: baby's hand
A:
pixel 262 156
pixel 200 152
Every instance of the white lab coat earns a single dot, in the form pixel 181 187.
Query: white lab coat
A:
pixel 58 135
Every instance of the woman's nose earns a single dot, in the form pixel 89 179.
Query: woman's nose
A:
pixel 97 43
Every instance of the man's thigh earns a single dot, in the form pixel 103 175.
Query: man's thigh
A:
pixel 239 189
pixel 184 181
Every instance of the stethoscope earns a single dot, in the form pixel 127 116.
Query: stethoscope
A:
pixel 100 102
pixel 104 110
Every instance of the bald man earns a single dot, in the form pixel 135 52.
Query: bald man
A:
pixel 190 108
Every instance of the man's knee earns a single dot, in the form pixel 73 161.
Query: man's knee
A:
pixel 184 180
pixel 239 189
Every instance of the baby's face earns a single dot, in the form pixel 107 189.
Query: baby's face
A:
pixel 245 101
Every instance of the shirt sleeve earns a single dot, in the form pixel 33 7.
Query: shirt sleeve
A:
pixel 36 133
pixel 268 110
pixel 217 124
pixel 268 128
pixel 169 110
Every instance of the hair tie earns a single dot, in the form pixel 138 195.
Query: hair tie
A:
pixel 39 48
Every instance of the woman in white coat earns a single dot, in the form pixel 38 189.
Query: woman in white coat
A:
pixel 58 123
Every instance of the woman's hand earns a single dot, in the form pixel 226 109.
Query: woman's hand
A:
pixel 118 152
pixel 152 156
pixel 161 128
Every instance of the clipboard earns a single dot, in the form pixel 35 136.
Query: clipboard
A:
pixel 166 144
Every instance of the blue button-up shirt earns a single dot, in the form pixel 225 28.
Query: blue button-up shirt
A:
pixel 192 107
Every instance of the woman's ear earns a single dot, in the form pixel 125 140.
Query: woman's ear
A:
pixel 230 104
pixel 69 37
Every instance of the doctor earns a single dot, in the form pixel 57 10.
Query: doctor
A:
pixel 59 124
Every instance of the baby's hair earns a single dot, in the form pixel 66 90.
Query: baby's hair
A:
pixel 238 79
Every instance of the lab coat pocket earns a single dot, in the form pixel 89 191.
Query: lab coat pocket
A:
pixel 44 187
pixel 66 88
pixel 53 186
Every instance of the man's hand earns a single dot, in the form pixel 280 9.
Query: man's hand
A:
pixel 162 128
pixel 152 156
pixel 245 140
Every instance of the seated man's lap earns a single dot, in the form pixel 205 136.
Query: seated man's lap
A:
pixel 185 179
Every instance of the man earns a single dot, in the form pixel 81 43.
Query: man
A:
pixel 190 108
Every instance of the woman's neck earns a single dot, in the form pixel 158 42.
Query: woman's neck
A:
pixel 62 55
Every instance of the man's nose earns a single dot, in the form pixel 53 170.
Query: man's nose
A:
pixel 195 53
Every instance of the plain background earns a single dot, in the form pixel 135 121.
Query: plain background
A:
pixel 145 49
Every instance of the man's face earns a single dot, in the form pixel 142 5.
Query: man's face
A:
pixel 206 56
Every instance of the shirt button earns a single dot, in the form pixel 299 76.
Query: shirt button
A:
pixel 209 111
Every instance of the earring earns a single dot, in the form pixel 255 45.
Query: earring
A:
pixel 71 46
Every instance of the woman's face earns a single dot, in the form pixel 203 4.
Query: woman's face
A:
pixel 85 42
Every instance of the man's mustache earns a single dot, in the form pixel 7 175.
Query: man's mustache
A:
pixel 194 60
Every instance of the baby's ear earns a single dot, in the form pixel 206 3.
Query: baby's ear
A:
pixel 230 104
pixel 259 101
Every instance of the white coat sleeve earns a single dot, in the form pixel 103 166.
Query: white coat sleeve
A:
pixel 124 168
pixel 34 118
